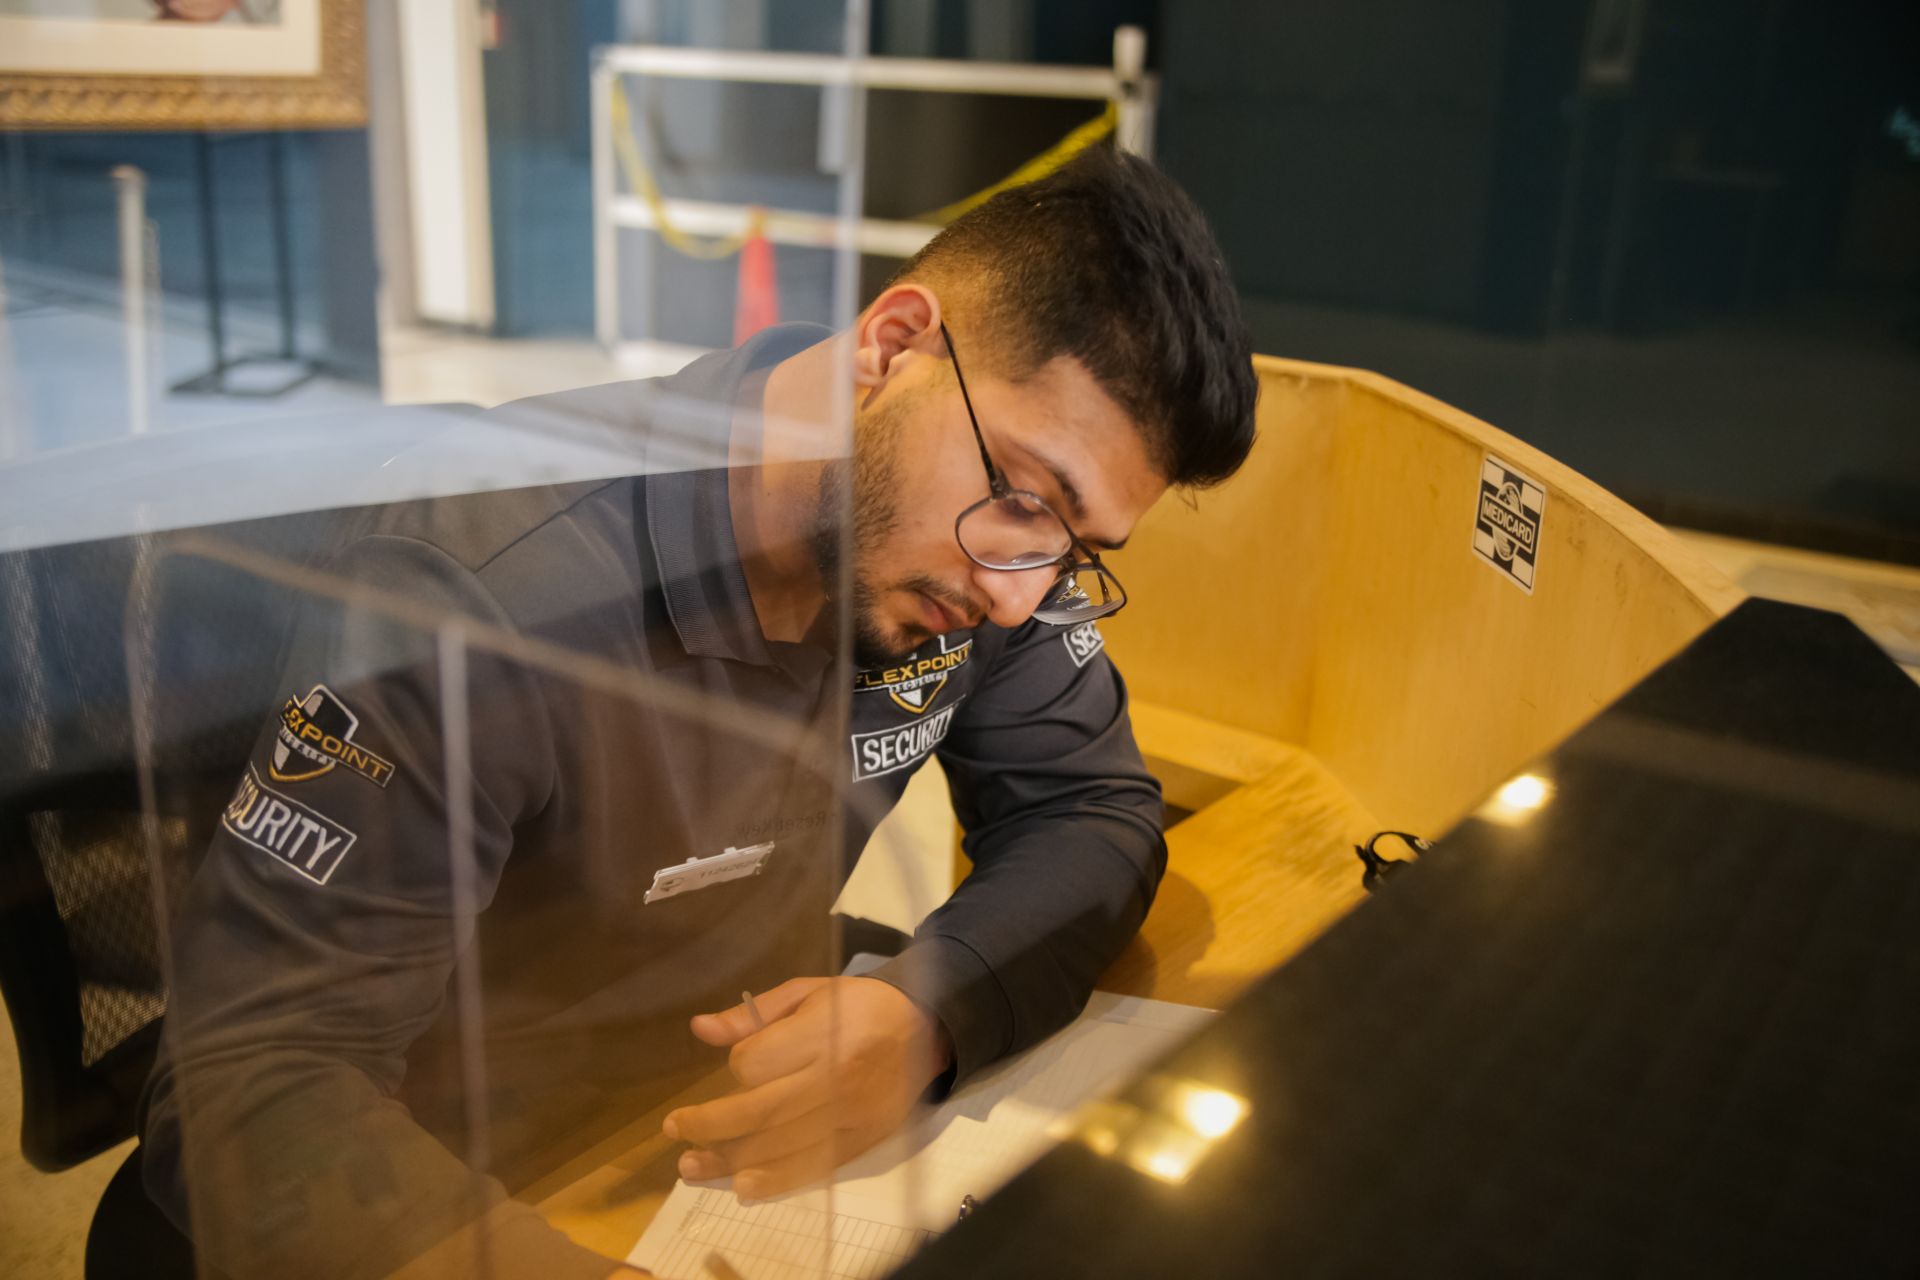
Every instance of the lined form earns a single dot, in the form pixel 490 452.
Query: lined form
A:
pixel 781 1241
pixel 887 1203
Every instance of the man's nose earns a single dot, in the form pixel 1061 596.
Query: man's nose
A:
pixel 1013 594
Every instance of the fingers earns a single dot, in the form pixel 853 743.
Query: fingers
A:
pixel 814 1129
pixel 783 1049
pixel 810 1164
pixel 808 1104
pixel 729 1026
pixel 734 1024
pixel 739 1114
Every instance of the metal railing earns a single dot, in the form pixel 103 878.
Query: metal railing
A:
pixel 1126 85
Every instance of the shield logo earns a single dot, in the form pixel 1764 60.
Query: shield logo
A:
pixel 918 698
pixel 1508 497
pixel 292 763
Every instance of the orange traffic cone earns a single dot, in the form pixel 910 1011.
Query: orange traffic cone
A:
pixel 757 304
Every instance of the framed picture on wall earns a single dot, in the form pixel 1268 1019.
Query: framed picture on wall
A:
pixel 182 64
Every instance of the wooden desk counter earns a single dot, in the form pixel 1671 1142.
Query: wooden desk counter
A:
pixel 1253 876
pixel 606 1196
pixel 1251 879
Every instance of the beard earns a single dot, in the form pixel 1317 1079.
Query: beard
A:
pixel 856 509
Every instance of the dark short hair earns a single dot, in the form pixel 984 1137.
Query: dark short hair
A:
pixel 1108 261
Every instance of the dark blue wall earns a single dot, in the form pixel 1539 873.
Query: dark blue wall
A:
pixel 58 211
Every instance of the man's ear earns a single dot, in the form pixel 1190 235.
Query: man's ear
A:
pixel 904 318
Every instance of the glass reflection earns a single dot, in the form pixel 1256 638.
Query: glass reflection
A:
pixel 1165 1137
pixel 1517 800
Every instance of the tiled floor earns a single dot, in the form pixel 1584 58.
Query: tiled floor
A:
pixel 425 366
pixel 43 1217
pixel 65 381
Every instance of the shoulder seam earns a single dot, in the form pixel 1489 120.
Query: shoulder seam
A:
pixel 551 517
pixel 443 554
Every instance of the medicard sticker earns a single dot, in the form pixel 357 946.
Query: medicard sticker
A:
pixel 1506 521
pixel 1083 642
pixel 316 737
pixel 284 829
pixel 916 682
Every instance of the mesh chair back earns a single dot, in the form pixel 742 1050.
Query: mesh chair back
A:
pixel 86 630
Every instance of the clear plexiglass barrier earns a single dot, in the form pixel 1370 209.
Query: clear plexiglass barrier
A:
pixel 496 842
pixel 427 825
pixel 464 870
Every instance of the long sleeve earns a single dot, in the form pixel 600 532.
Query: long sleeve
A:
pixel 1063 828
pixel 316 941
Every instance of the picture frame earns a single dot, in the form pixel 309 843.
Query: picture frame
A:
pixel 306 69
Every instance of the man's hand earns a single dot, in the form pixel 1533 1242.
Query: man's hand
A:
pixel 837 1068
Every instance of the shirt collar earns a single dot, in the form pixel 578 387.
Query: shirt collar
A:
pixel 689 517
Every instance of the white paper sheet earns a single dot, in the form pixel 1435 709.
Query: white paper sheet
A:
pixel 890 1201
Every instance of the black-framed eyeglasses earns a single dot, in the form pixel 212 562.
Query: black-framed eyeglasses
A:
pixel 1015 530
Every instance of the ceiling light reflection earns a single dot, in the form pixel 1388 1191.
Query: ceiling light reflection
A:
pixel 1166 1134
pixel 1212 1113
pixel 1169 1163
pixel 1517 800
pixel 1528 791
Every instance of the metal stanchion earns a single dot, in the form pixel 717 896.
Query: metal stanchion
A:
pixel 13 416
pixel 1134 98
pixel 602 85
pixel 131 186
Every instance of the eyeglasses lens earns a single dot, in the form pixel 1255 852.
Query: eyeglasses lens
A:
pixel 1014 532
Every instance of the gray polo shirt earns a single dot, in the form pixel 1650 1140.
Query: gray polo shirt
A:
pixel 431 929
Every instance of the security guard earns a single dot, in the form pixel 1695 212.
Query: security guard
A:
pixel 560 771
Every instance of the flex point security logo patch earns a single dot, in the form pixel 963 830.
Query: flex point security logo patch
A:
pixel 316 736
pixel 277 825
pixel 1083 642
pixel 885 750
pixel 915 683
pixel 1506 523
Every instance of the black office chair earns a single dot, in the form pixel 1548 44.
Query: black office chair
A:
pixel 80 937
pixel 79 949
pixel 80 969
pixel 78 961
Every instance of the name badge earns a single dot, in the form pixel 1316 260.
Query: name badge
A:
pixel 698 873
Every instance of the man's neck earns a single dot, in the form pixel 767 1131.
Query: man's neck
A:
pixel 775 454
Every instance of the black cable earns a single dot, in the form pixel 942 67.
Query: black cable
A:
pixel 1378 868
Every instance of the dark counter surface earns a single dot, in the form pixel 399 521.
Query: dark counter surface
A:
pixel 1669 1022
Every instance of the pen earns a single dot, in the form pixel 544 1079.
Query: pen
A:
pixel 753 1011
pixel 967 1205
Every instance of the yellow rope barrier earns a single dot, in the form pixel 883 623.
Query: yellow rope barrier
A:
pixel 643 185
pixel 1033 170
pixel 640 179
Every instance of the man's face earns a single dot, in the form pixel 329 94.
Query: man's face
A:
pixel 916 468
